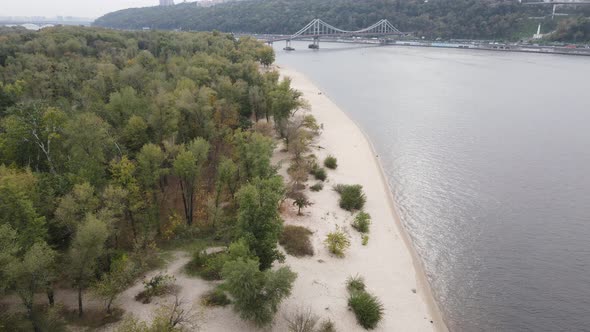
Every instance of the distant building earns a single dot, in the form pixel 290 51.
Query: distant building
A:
pixel 166 2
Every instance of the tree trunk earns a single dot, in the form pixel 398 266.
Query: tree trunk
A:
pixel 80 309
pixel 33 319
pixel 50 296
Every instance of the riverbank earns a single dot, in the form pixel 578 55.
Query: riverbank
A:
pixel 388 263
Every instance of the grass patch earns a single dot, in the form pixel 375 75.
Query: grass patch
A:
pixel 317 187
pixel 215 298
pixel 331 162
pixel 337 242
pixel 295 240
pixel 355 284
pixel 361 222
pixel 206 266
pixel 367 308
pixel 319 173
pixel 365 239
pixel 351 196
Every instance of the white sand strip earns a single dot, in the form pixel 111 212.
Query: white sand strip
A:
pixel 388 263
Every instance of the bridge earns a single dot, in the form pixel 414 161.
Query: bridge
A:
pixel 318 28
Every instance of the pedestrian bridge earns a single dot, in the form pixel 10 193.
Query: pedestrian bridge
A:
pixel 318 28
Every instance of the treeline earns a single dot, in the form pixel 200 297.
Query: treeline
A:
pixel 575 30
pixel 115 143
pixel 437 18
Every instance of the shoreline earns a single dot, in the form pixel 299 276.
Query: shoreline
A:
pixel 422 285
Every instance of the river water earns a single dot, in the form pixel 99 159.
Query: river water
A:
pixel 488 155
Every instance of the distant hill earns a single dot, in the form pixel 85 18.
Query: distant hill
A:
pixel 431 18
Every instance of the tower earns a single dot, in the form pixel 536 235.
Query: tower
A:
pixel 166 2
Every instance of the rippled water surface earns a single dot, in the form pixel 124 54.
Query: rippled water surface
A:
pixel 488 155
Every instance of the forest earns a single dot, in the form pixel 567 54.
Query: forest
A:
pixel 472 19
pixel 115 145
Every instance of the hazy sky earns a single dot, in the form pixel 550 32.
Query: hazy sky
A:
pixel 83 8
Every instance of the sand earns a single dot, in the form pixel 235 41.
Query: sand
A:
pixel 388 263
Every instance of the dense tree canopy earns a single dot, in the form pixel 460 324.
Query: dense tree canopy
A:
pixel 441 18
pixel 107 138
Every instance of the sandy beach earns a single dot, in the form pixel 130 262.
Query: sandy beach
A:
pixel 388 263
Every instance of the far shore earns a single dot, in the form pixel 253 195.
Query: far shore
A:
pixel 390 265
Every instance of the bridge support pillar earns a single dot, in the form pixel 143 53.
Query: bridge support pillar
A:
pixel 316 43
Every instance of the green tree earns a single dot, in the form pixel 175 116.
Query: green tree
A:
pixel 90 147
pixel 73 208
pixel 187 167
pixel 266 55
pixel 114 282
pixel 34 272
pixel 135 133
pixel 257 295
pixel 259 221
pixel 86 249
pixel 254 154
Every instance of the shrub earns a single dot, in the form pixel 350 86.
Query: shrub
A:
pixel 302 321
pixel 355 284
pixel 365 239
pixel 206 266
pixel 319 173
pixel 337 242
pixel 367 308
pixel 257 294
pixel 361 222
pixel 331 162
pixel 215 297
pixel 317 187
pixel 327 326
pixel 295 240
pixel 158 285
pixel 351 196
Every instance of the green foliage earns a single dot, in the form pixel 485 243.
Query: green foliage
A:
pixel 86 249
pixel 486 19
pixel 33 273
pixel 367 309
pixel 215 298
pixel 301 201
pixel 319 173
pixel 331 162
pixel 259 221
pixel 361 222
pixel 573 29
pixel 207 266
pixel 365 239
pixel 355 284
pixel 123 272
pixel 317 187
pixel 257 294
pixel 157 285
pixel 295 240
pixel 337 242
pixel 254 154
pixel 351 196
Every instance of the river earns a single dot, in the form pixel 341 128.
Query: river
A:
pixel 488 155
